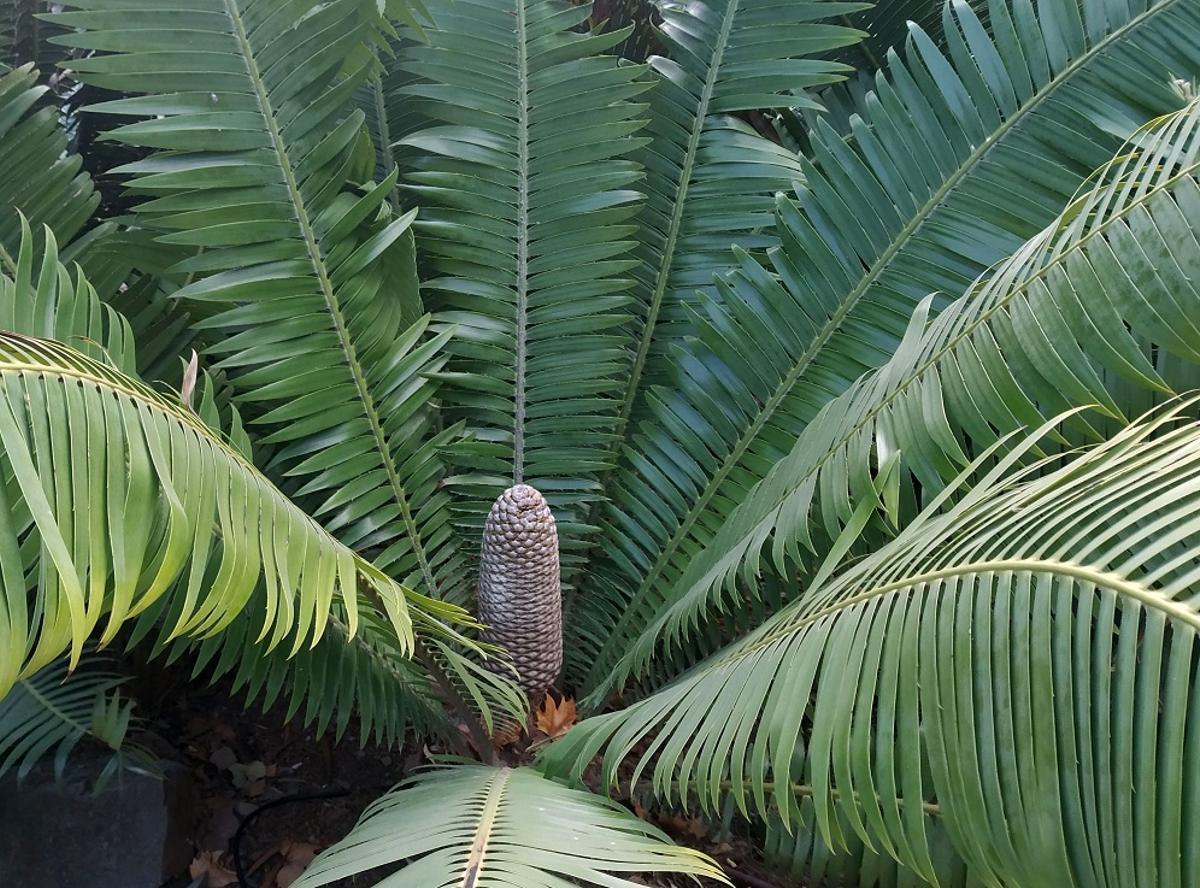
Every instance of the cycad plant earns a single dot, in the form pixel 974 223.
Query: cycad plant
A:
pixel 821 405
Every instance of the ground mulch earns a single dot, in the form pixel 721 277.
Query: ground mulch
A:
pixel 293 794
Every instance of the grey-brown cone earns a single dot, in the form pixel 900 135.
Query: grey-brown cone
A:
pixel 520 600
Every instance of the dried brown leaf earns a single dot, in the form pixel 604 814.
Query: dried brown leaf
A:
pixel 506 734
pixel 298 855
pixel 209 865
pixel 555 719
pixel 190 372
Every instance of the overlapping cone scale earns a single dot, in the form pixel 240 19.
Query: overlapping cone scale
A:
pixel 520 600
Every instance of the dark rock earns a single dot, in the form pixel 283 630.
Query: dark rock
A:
pixel 132 834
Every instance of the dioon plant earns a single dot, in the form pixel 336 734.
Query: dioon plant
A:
pixel 811 391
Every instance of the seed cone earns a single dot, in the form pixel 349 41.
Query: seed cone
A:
pixel 520 600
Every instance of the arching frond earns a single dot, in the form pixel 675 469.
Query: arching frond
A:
pixel 494 827
pixel 99 532
pixel 51 712
pixel 527 196
pixel 1024 658
pixel 855 261
pixel 368 674
pixel 367 677
pixel 256 152
pixel 38 178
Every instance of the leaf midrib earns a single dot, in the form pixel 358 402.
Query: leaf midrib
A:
pixel 1140 592
pixel 152 401
pixel 49 705
pixel 487 820
pixel 332 305
pixel 664 268
pixel 877 269
pixel 667 261
pixel 387 160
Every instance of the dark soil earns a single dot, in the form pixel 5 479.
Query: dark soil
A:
pixel 293 794
pixel 310 790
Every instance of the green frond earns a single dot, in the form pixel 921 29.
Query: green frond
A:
pixel 710 178
pixel 527 200
pixel 494 827
pixel 1023 658
pixel 43 298
pixel 798 851
pixel 256 154
pixel 389 114
pixel 100 532
pixel 38 178
pixel 949 172
pixel 1019 346
pixel 368 677
pixel 887 25
pixel 51 711
pixel 367 672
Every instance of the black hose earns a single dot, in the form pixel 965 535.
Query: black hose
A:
pixel 235 844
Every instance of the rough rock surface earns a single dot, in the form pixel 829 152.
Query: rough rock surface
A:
pixel 132 834
pixel 520 599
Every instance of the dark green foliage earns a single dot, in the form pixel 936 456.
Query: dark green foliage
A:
pixel 827 353
pixel 944 177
